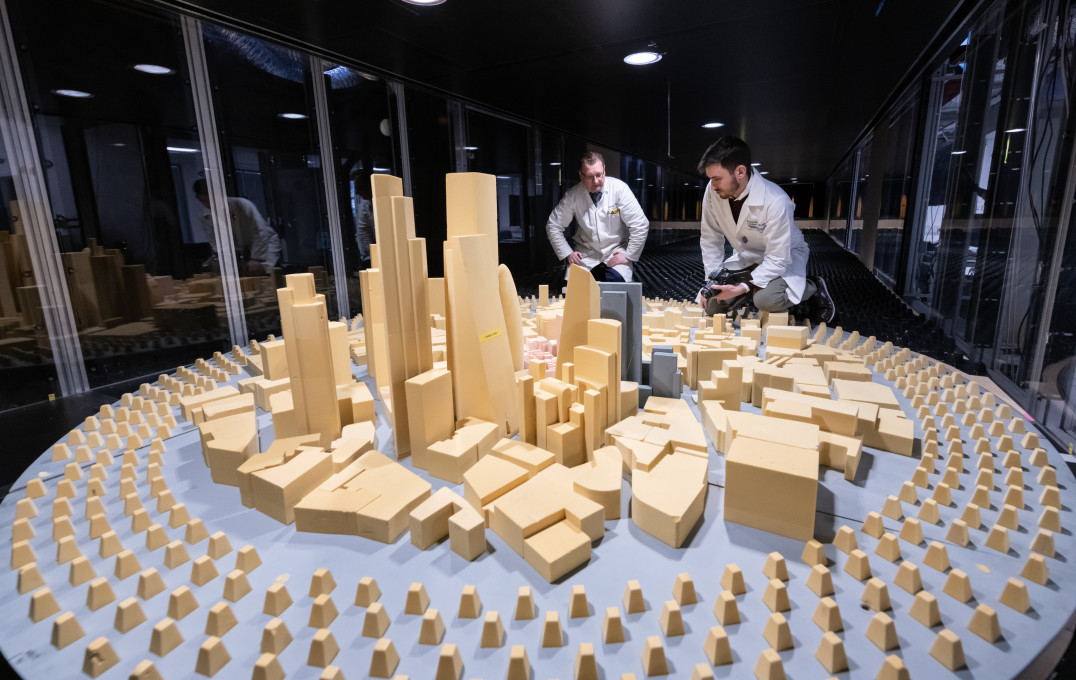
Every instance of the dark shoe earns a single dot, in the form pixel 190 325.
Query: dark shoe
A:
pixel 820 305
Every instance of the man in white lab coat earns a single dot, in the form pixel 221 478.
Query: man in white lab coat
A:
pixel 755 216
pixel 611 225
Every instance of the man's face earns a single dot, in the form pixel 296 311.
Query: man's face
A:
pixel 593 176
pixel 726 184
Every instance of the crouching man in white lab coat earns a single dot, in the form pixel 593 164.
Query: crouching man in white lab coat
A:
pixel 611 225
pixel 755 216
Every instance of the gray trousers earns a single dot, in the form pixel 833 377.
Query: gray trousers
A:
pixel 772 298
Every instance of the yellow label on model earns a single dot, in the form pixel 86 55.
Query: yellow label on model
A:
pixel 489 335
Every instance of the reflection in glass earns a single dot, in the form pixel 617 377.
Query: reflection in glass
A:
pixel 840 195
pixel 896 188
pixel 863 169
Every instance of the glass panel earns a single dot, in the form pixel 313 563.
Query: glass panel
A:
pixel 896 188
pixel 269 148
pixel 840 196
pixel 863 168
pixel 363 144
pixel 1055 394
pixel 429 142
pixel 119 158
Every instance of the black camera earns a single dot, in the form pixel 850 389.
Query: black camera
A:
pixel 723 277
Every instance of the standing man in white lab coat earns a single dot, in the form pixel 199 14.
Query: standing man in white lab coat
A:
pixel 611 225
pixel 755 216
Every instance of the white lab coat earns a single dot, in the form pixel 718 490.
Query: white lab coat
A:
pixel 765 235
pixel 615 222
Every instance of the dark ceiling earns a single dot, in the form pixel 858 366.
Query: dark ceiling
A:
pixel 798 79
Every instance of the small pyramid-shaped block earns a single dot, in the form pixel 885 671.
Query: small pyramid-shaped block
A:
pixel 98 526
pixel 178 515
pixel 321 583
pixel 998 539
pixel 30 578
pixel 25 509
pixel 776 596
pixel 958 586
pixel 672 621
pixel 731 580
pixel 769 666
pixel 908 494
pixel 62 527
pixel 165 637
pixel 195 532
pixel 1009 517
pixel 1036 570
pixel 376 621
pixel 716 647
pixel 66 550
pixel 470 604
pixel 777 632
pixel 1015 596
pixel 277 600
pixel 578 607
pixel 432 629
pixel 942 494
pixel 684 590
pixel 925 609
pixel 156 538
pixel 948 650
pixel 99 657
pixel 702 671
pixel 845 540
pixel 247 559
pixel 882 632
pixel 813 553
pixel 129 614
pixel 633 598
pixel 149 583
pixel 888 548
pixel 181 602
pixel 220 620
pixel 519 666
pixel 212 656
pixel 267 667
pixel 552 635
pixel 775 567
pixel 525 608
pixel 322 612
pixel 1043 543
pixel 984 623
pixel 858 566
pixel 586 664
pixel 958 532
pixel 80 571
pixel 367 592
pixel 236 585
pixel 830 653
pixel 203 570
pixel 417 600
pixel 1038 458
pixel 892 508
pixel 323 649
pixel 109 545
pixel 872 526
pixel 912 531
pixel 820 581
pixel 65 630
pixel 175 554
pixel 725 609
pixel 654 662
pixel 219 546
pixel 876 595
pixel 21 531
pixel 928 511
pixel 449 663
pixel 893 668
pixel 140 521
pixel 908 578
pixel 492 630
pixel 275 637
pixel 384 660
pixel 981 497
pixel 827 615
pixel 937 556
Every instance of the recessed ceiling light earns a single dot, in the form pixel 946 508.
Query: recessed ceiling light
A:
pixel 183 149
pixel 376 169
pixel 77 94
pixel 154 69
pixel 118 144
pixel 554 163
pixel 713 125
pixel 1017 130
pixel 292 116
pixel 764 172
pixel 470 148
pixel 959 153
pixel 755 165
pixel 795 179
pixel 424 3
pixel 643 58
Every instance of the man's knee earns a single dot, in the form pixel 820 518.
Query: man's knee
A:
pixel 767 301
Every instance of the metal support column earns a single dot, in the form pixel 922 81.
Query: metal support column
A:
pixel 328 173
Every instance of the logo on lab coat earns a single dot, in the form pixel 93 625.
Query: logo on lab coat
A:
pixel 756 226
pixel 614 211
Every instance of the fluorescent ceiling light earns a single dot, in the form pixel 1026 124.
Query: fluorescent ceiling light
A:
pixel 77 94
pixel 470 148
pixel 292 116
pixel 183 149
pixel 713 125
pixel 795 179
pixel 554 163
pixel 642 58
pixel 118 144
pixel 424 3
pixel 755 165
pixel 959 153
pixel 154 69
pixel 376 169
pixel 764 172
pixel 1016 130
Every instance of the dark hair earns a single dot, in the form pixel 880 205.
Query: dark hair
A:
pixel 728 152
pixel 590 158
pixel 200 188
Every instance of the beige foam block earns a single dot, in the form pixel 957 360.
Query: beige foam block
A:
pixel 820 581
pixel 430 411
pixel 831 654
pixel 65 630
pixel 775 596
pixel 814 553
pixel 937 556
pixel 984 623
pixel 1035 570
pixel 129 614
pixel 888 548
pixel 755 468
pixel 470 604
pixel 769 666
pixel 275 637
pixel 525 607
pixel 684 590
pixel 672 622
pixel 432 628
pixel 29 578
pixel 882 632
pixel 1043 543
pixel 668 501
pixel 220 619
pixel 165 637
pixel 578 607
pixel 726 610
pixel 417 599
pixel 716 647
pixel 948 650
pixel 277 600
pixel 872 526
pixel 181 602
pixel 322 612
pixel 633 598
pixel 599 480
pixel 827 615
pixel 367 592
pixel 1015 595
pixel 150 583
pixel 958 586
pixel 236 585
pixel 99 657
pixel 384 660
pixel 175 554
pixel 492 630
pixel 858 566
pixel 449 663
pixel 268 667
pixel 928 512
pixel 654 662
pixel 876 595
pixel 323 649
pixel 925 609
pixel 247 559
pixel 42 605
pixel 586 664
pixel 732 580
pixel 958 530
pixel 523 454
pixel 777 632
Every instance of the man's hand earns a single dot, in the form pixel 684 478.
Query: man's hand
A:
pixel 576 258
pixel 617 258
pixel 729 292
